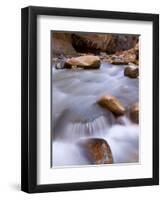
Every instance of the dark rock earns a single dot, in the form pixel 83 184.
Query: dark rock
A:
pixel 131 71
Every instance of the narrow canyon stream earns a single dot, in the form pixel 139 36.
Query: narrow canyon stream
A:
pixel 76 114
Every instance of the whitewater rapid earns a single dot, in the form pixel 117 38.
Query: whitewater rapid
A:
pixel 76 115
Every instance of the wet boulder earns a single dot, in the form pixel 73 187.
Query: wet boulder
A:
pixel 112 104
pixel 131 71
pixel 134 113
pixel 85 62
pixel 97 150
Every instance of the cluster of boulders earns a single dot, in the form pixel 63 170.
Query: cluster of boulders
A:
pixel 125 57
pixel 78 50
pixel 92 62
pixel 117 108
pixel 97 150
pixel 129 57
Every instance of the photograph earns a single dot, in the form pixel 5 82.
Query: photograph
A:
pixel 94 99
pixel 89 99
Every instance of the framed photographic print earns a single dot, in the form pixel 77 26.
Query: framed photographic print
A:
pixel 90 99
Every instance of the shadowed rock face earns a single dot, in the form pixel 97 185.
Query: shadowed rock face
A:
pixel 110 43
pixel 62 44
pixel 93 43
pixel 71 43
pixel 97 150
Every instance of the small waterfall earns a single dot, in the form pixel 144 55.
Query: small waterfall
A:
pixel 75 130
pixel 79 116
pixel 124 120
pixel 124 142
pixel 97 127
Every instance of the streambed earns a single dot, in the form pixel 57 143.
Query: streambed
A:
pixel 76 114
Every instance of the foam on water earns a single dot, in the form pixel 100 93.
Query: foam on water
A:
pixel 76 114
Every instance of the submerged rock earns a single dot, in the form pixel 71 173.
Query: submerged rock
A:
pixel 112 104
pixel 97 150
pixel 134 113
pixel 85 62
pixel 131 71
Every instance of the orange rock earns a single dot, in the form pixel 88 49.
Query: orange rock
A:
pixel 97 150
pixel 112 104
pixel 134 113
pixel 85 62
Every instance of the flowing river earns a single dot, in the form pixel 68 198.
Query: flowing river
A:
pixel 76 115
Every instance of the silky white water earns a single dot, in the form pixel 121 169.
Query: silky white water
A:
pixel 75 113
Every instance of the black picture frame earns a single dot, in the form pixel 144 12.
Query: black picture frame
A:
pixel 29 99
